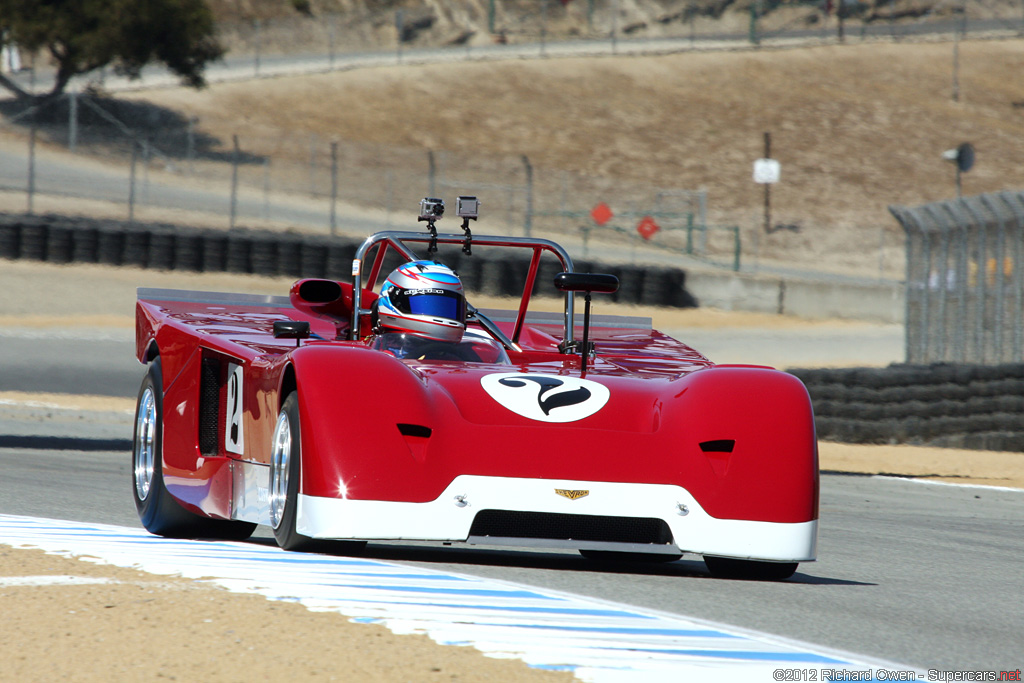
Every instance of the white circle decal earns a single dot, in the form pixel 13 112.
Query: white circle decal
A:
pixel 546 398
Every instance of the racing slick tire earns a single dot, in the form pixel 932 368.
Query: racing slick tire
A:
pixel 729 568
pixel 159 512
pixel 285 475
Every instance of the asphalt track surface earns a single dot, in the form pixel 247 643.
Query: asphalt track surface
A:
pixel 921 574
pixel 102 362
pixel 70 361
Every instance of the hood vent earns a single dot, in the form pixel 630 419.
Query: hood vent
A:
pixel 718 446
pixel 420 431
pixel 416 439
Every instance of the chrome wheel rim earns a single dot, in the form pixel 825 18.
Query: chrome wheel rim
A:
pixel 280 458
pixel 144 456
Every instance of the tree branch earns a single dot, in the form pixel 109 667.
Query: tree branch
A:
pixel 12 86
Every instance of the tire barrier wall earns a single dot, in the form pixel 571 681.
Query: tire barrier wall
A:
pixel 62 239
pixel 978 407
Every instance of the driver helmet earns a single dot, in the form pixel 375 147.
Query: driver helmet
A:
pixel 424 298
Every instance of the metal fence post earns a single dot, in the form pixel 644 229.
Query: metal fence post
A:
pixel 431 173
pixel 334 189
pixel 389 198
pixel 1015 204
pixel 312 164
pixel 615 26
pixel 331 21
pixel 903 217
pixel 266 188
pixel 190 144
pixel 147 155
pixel 967 342
pixel 937 287
pixel 981 282
pixel 737 248
pixel 916 284
pixel 754 39
pixel 72 120
pixel 543 27
pixel 1000 283
pixel 528 218
pixel 131 182
pixel 234 181
pixel 399 30
pixel 32 164
pixel 259 47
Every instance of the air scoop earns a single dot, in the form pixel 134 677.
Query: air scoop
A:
pixel 586 283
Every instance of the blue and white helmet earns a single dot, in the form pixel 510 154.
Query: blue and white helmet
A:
pixel 424 298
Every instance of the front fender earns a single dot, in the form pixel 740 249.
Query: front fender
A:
pixel 353 403
pixel 748 436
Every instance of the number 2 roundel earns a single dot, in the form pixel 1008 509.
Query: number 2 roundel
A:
pixel 546 398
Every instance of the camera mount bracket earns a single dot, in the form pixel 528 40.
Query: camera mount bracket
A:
pixel 468 209
pixel 431 209
pixel 467 246
pixel 432 247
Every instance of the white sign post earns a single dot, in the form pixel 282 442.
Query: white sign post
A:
pixel 766 172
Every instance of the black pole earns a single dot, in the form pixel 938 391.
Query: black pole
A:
pixel 334 189
pixel 767 186
pixel 234 181
pixel 32 165
pixel 131 182
pixel 586 333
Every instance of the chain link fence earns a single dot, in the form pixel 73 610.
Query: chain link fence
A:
pixel 492 24
pixel 262 176
pixel 163 162
pixel 965 279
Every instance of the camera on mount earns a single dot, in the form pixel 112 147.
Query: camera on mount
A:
pixel 431 209
pixel 467 207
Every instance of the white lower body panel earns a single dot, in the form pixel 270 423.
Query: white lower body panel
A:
pixel 450 516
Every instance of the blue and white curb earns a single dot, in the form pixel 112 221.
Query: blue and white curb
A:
pixel 598 641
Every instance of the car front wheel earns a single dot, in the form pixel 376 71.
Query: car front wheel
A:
pixel 285 476
pixel 285 472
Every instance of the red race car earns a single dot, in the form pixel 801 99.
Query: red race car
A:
pixel 347 414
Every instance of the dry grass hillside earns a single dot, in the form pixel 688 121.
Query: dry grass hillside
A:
pixel 856 128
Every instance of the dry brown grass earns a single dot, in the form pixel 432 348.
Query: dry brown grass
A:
pixel 855 127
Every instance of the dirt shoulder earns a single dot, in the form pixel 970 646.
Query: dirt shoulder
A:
pixel 945 465
pixel 121 624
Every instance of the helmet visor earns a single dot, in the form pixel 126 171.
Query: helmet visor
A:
pixel 437 303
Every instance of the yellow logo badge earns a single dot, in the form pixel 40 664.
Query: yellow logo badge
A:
pixel 572 494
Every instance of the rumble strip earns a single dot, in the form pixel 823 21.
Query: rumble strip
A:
pixel 598 641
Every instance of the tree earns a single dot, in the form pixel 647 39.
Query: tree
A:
pixel 81 36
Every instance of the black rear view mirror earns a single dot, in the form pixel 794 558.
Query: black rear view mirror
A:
pixel 291 329
pixel 586 283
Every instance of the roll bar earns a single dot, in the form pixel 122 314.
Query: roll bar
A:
pixel 396 240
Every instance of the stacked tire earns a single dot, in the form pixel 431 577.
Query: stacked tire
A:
pixel 61 239
pixel 962 406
